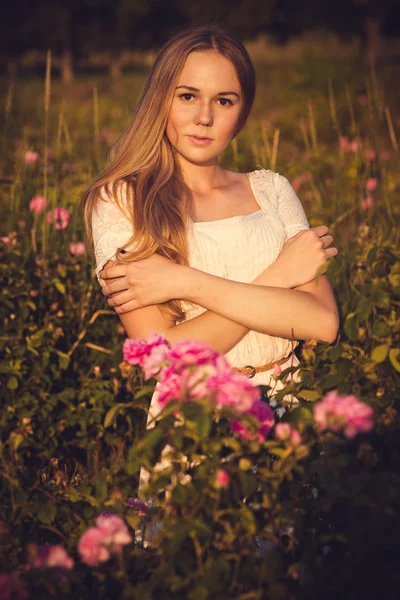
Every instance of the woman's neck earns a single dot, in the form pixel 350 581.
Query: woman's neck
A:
pixel 202 179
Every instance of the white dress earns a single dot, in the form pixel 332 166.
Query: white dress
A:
pixel 237 248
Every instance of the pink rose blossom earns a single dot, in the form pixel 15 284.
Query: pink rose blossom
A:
pixel 172 387
pixel 284 431
pixel 344 142
pixel 60 217
pixel 52 556
pixel 277 370
pixel 233 389
pixel 371 184
pixel 136 350
pixel 296 183
pixel 31 157
pixel 11 588
pixel 367 203
pixel 192 352
pixel 108 537
pixel 152 363
pixel 37 204
pixel 77 248
pixel 372 155
pixel 222 479
pixel 355 145
pixel 265 416
pixel 91 547
pixel 114 529
pixel 343 413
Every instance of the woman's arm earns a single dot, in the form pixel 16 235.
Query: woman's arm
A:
pixel 215 330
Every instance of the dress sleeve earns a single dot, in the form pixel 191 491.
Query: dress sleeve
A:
pixel 111 230
pixel 289 207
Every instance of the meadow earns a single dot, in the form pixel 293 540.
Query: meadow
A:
pixel 318 487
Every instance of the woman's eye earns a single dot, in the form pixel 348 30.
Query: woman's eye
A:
pixel 225 102
pixel 186 96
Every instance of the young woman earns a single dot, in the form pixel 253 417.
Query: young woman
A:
pixel 191 250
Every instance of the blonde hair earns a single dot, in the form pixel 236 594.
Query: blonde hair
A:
pixel 143 160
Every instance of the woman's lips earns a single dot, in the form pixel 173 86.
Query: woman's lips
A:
pixel 198 141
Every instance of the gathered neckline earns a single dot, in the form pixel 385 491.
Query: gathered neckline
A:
pixel 236 218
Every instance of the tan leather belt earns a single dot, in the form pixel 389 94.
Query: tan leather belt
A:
pixel 251 371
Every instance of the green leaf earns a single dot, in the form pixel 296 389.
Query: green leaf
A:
pixel 59 286
pixel 379 353
pixel 394 358
pixel 364 308
pixel 351 326
pixel 47 513
pixel 63 360
pixel 12 383
pixel 111 415
pixel 311 395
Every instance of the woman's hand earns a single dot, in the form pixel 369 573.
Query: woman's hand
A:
pixel 142 283
pixel 304 255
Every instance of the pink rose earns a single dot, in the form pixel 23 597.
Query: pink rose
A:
pixel 172 387
pixel 344 142
pixel 60 217
pixel 277 370
pixel 296 183
pixel 371 184
pixel 91 547
pixel 233 389
pixel 11 588
pixel 31 157
pixel 222 479
pixel 157 358
pixel 372 155
pixel 77 248
pixel 192 352
pixel 135 351
pixel 37 204
pixel 52 556
pixel 114 529
pixel 343 413
pixel 367 203
pixel 355 145
pixel 265 416
pixel 284 431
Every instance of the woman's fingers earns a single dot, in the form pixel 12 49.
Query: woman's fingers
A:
pixel 320 230
pixel 327 240
pixel 117 270
pixel 331 252
pixel 120 298
pixel 120 285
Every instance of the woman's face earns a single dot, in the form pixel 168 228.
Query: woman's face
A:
pixel 205 108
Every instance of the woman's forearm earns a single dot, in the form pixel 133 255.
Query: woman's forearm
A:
pixel 272 310
pixel 220 332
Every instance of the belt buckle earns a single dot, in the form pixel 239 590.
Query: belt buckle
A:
pixel 253 371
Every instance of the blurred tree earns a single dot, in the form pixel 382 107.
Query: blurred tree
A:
pixel 364 18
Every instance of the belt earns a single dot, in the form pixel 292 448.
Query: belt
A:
pixel 251 371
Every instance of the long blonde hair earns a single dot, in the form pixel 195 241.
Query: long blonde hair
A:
pixel 143 160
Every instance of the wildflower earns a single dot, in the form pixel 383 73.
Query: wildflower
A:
pixel 52 556
pixel 371 184
pixel 222 479
pixel 355 145
pixel 77 248
pixel 372 155
pixel 37 204
pixel 344 142
pixel 60 217
pixel 367 203
pixel 139 505
pixel 11 588
pixel 343 413
pixel 30 157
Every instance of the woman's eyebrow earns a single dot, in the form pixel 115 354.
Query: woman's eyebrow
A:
pixel 193 89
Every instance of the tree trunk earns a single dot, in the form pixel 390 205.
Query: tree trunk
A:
pixel 12 66
pixel 373 39
pixel 115 67
pixel 67 67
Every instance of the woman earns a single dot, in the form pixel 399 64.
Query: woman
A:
pixel 202 252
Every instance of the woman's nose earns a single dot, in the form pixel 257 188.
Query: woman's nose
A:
pixel 204 115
